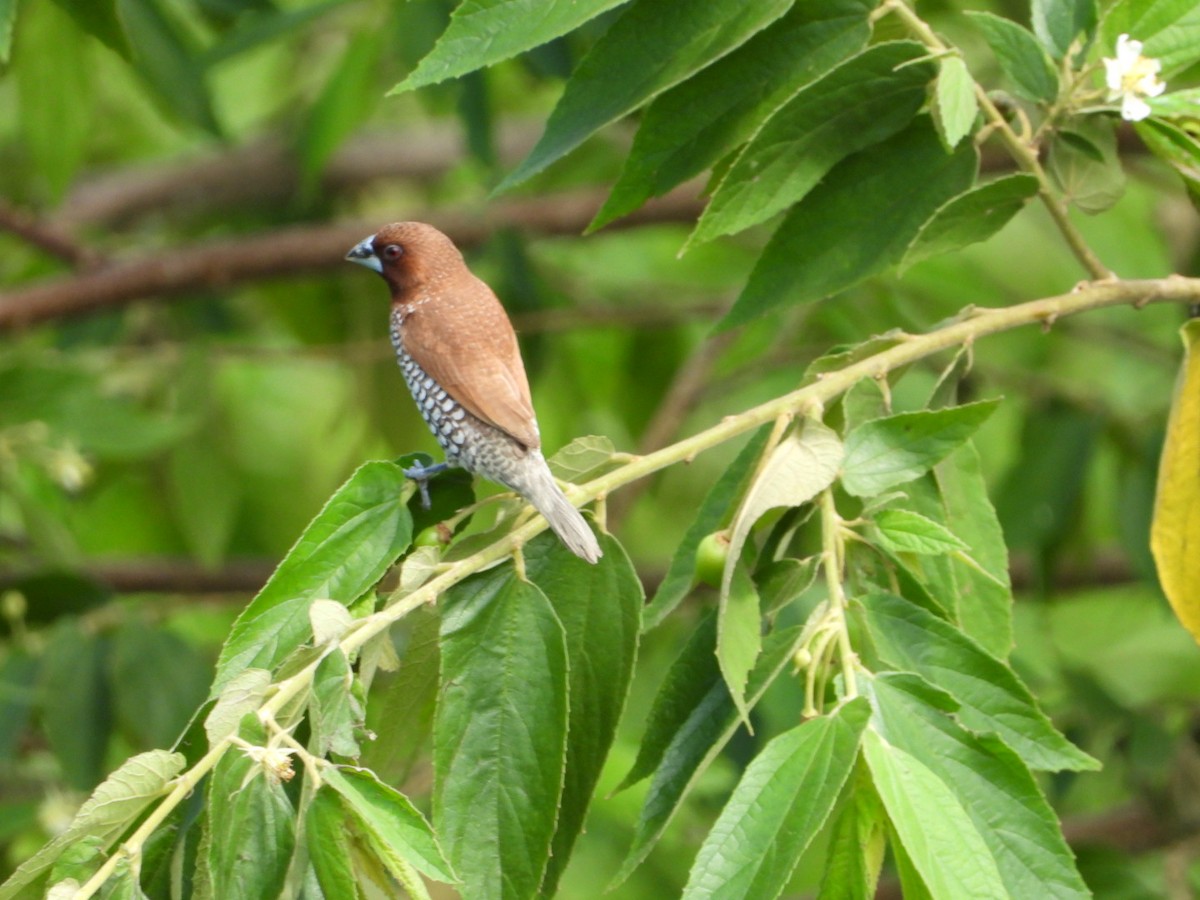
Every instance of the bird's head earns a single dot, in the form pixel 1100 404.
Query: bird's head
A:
pixel 408 255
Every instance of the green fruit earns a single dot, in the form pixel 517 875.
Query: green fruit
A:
pixel 430 537
pixel 711 555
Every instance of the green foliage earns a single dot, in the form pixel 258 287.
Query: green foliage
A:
pixel 445 694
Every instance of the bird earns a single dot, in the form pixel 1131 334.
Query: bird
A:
pixel 459 356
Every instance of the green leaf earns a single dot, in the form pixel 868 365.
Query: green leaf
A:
pixel 691 721
pixel 778 807
pixel 739 636
pixel 123 884
pixel 105 816
pixel 987 780
pixel 1175 147
pixel 157 680
pixel 883 453
pixel 484 32
pixel 392 825
pixel 903 531
pixel 974 215
pixel 243 694
pixel 346 99
pixel 99 19
pixel 346 549
pixel 857 842
pixel 653 45
pixel 1057 23
pixel 1022 59
pixel 858 221
pixel 954 100
pixel 251 826
pixel 713 511
pixel 8 18
pixel 500 735
pixel 1144 20
pixel 76 702
pixel 327 840
pixel 1085 164
pixel 600 609
pixel 688 128
pixel 866 99
pixel 992 697
pixel 55 92
pixel 166 57
pixel 802 465
pixel 585 457
pixel 977 592
pixel 937 834
pixel 335 712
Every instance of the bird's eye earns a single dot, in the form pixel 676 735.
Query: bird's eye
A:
pixel 393 251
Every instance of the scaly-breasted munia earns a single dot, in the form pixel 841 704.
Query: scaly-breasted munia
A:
pixel 459 355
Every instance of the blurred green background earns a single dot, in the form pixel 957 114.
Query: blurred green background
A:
pixel 159 453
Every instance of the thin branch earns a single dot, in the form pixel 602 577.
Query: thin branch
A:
pixel 290 252
pixel 49 238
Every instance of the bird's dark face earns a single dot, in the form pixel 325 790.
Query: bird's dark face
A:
pixel 406 254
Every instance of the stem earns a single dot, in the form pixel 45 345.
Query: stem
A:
pixel 832 563
pixel 1024 154
pixel 970 325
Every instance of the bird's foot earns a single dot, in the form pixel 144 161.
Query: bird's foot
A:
pixel 421 475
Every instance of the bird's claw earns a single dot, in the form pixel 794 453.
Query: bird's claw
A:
pixel 421 475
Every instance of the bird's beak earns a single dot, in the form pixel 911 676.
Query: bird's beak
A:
pixel 363 253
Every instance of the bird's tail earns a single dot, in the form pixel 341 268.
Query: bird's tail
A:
pixel 568 523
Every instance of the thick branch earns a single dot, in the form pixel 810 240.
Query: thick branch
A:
pixel 289 252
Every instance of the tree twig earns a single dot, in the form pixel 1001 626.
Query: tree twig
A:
pixel 289 252
pixel 49 238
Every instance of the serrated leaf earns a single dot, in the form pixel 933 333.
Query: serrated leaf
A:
pixel 600 609
pixel 1175 532
pixel 937 834
pixel 653 45
pixel 1023 60
pixel 335 712
pixel 977 594
pixel 688 128
pixel 1145 20
pixel 243 694
pixel 585 457
pixel 858 221
pixel 1093 185
pixel 991 696
pixel 974 215
pixel 157 680
pixel 955 104
pixel 349 545
pixel 691 721
pixel 713 509
pixel 329 620
pixel 739 637
pixel 780 804
pixel 802 465
pixel 500 735
pixel 76 702
pixel 251 826
pixel 1175 146
pixel 883 453
pixel 392 825
pixel 903 531
pixel 327 840
pixel 1057 23
pixel 105 816
pixel 987 780
pixel 857 842
pixel 866 99
pixel 484 32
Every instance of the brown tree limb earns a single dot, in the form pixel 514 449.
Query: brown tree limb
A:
pixel 51 239
pixel 288 252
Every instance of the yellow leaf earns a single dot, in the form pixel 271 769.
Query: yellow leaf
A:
pixel 1175 532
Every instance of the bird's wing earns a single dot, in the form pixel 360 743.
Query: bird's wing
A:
pixel 464 341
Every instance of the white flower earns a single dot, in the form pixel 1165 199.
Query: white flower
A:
pixel 1132 78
